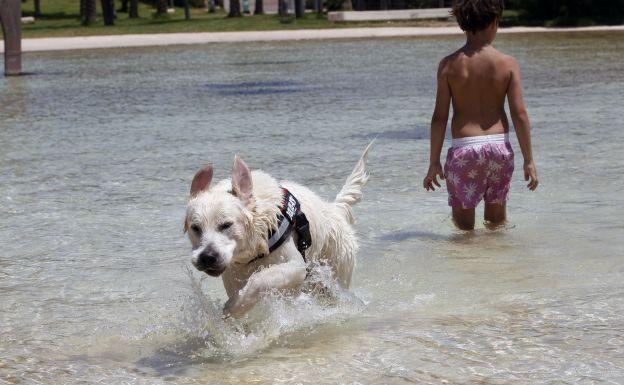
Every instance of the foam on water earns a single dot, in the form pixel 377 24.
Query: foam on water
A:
pixel 203 333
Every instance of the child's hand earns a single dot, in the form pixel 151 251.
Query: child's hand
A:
pixel 530 172
pixel 435 170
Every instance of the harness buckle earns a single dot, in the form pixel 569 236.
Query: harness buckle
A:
pixel 302 226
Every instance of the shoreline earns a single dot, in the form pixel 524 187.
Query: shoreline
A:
pixel 165 39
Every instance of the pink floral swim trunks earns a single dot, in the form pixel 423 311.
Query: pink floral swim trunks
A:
pixel 479 167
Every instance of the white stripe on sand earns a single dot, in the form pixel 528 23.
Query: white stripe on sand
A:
pixel 117 41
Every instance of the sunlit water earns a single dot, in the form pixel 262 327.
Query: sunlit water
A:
pixel 97 152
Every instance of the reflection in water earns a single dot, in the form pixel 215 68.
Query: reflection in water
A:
pixel 96 163
pixel 403 235
pixel 259 91
pixel 13 99
pixel 265 62
pixel 254 88
pixel 250 85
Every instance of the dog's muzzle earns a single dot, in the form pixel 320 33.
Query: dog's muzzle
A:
pixel 209 261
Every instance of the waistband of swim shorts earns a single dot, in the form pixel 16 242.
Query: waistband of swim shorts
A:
pixel 479 140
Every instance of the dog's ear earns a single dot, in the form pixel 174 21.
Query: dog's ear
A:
pixel 241 181
pixel 201 180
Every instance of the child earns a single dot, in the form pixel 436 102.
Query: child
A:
pixel 476 79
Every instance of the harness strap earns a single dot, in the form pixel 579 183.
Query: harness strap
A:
pixel 290 219
pixel 302 228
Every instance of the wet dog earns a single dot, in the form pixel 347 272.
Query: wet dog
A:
pixel 229 226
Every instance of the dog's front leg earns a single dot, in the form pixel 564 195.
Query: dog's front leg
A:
pixel 284 276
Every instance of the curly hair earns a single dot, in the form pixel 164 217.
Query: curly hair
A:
pixel 477 15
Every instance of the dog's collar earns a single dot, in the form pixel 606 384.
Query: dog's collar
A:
pixel 289 218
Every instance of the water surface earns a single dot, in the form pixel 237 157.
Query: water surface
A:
pixel 98 149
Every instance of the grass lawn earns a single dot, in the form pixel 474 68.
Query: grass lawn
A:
pixel 61 18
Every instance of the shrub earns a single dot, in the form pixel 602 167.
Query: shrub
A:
pixel 570 12
pixel 333 5
pixel 192 3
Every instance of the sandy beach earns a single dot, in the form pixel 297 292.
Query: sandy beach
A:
pixel 144 40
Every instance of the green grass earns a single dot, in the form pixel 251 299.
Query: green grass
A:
pixel 61 18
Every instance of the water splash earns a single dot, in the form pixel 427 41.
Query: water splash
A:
pixel 207 335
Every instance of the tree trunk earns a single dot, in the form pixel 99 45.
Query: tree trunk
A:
pixel 10 19
pixel 212 7
pixel 83 5
pixel 187 10
pixel 235 8
pixel 124 6
pixel 161 7
pixel 134 9
pixel 287 11
pixel 108 12
pixel 37 8
pixel 259 7
pixel 299 8
pixel 90 14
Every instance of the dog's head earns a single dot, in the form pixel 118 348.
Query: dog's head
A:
pixel 219 220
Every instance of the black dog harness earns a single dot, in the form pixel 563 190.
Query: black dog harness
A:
pixel 290 219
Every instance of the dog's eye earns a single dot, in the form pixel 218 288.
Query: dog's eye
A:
pixel 196 229
pixel 225 226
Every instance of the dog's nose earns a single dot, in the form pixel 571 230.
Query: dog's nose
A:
pixel 207 259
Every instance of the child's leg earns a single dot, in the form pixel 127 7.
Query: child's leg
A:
pixel 495 214
pixel 501 167
pixel 464 184
pixel 464 219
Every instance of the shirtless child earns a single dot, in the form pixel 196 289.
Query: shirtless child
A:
pixel 476 79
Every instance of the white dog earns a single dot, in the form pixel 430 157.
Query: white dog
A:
pixel 235 229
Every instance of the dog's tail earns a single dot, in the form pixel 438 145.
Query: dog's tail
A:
pixel 351 192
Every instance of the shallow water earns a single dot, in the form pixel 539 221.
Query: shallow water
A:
pixel 98 148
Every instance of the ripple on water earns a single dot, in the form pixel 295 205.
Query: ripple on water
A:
pixel 96 155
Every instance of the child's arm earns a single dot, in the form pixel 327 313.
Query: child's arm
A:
pixel 522 125
pixel 438 129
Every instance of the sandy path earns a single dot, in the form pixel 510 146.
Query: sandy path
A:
pixel 144 40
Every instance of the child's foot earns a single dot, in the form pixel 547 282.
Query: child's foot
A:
pixel 504 225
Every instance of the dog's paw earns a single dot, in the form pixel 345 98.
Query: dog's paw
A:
pixel 239 305
pixel 234 307
pixel 227 308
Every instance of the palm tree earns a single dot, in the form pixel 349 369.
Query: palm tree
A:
pixel 161 7
pixel 299 8
pixel 134 9
pixel 259 8
pixel 89 12
pixel 211 6
pixel 37 8
pixel 235 8
pixel 124 6
pixel 108 11
pixel 187 10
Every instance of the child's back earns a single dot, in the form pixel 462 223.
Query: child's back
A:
pixel 476 80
